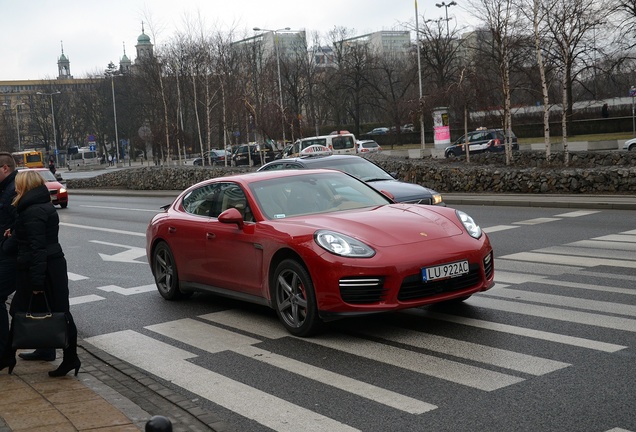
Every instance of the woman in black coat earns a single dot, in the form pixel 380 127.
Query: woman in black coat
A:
pixel 41 266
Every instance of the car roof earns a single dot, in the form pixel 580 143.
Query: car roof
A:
pixel 310 159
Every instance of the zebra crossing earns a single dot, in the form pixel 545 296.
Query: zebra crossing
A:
pixel 171 350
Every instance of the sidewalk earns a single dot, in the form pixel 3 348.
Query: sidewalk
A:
pixel 106 396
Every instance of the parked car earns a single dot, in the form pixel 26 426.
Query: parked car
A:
pixel 366 171
pixel 314 245
pixel 214 157
pixel 240 154
pixel 368 146
pixel 408 128
pixel 59 194
pixel 630 145
pixel 378 131
pixel 481 140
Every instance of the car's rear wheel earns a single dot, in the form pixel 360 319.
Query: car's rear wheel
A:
pixel 295 299
pixel 165 272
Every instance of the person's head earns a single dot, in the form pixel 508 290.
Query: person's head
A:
pixel 7 165
pixel 25 181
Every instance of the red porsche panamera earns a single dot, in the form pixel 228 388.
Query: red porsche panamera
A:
pixel 314 245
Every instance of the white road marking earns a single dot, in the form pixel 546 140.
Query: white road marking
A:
pixel 568 302
pixel 578 213
pixel 85 299
pixel 596 253
pixel 128 291
pixel 128 256
pixel 569 260
pixel 214 339
pixel 492 229
pixel 521 331
pixel 591 287
pixel 462 349
pixel 578 317
pixel 142 351
pixel 76 277
pixel 502 276
pixel 604 245
pixel 536 221
pixel 448 370
pixel 625 237
pixel 110 230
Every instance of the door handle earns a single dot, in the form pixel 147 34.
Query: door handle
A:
pixel 172 230
pixel 210 236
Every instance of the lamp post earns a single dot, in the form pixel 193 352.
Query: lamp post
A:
pixel 632 93
pixel 280 83
pixel 57 162
pixel 17 122
pixel 419 76
pixel 446 6
pixel 112 86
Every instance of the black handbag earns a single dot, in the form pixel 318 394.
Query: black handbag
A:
pixel 39 330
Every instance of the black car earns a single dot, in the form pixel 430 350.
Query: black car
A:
pixel 240 154
pixel 365 170
pixel 215 157
pixel 482 140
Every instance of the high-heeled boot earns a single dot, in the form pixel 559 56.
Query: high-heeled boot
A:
pixel 8 362
pixel 69 363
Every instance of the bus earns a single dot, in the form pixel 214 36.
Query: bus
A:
pixel 79 157
pixel 28 159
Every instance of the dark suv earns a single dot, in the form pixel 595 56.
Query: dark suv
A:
pixel 240 154
pixel 482 140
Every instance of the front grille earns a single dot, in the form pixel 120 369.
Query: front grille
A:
pixel 489 265
pixel 414 288
pixel 362 290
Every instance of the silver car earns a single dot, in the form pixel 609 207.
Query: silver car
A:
pixel 630 145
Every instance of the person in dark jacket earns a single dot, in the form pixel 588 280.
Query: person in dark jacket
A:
pixel 7 262
pixel 41 265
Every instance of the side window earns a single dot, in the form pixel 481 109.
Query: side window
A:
pixel 273 167
pixel 204 201
pixel 234 197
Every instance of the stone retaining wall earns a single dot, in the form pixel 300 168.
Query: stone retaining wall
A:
pixel 588 173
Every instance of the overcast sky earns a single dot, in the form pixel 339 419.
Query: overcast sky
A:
pixel 93 32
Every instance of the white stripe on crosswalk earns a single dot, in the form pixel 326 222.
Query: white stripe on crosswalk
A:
pixel 591 287
pixel 492 229
pixel 214 339
pixel 618 276
pixel 597 253
pixel 142 351
pixel 579 317
pixel 480 353
pixel 520 331
pixel 85 299
pixel 448 370
pixel 627 238
pixel 536 221
pixel 534 268
pixel 569 260
pixel 502 276
pixel 598 244
pixel 570 302
pixel 578 213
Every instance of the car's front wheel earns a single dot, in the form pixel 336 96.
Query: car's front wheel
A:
pixel 165 272
pixel 295 299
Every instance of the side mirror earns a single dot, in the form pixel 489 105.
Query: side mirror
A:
pixel 388 194
pixel 232 216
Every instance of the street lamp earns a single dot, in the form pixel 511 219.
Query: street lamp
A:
pixel 57 163
pixel 419 76
pixel 17 122
pixel 112 85
pixel 280 83
pixel 446 6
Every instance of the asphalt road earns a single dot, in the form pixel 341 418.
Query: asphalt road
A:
pixel 549 348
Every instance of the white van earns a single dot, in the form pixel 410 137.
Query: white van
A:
pixel 343 143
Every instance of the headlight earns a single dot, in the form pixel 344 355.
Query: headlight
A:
pixel 62 190
pixel 436 199
pixel 471 226
pixel 340 244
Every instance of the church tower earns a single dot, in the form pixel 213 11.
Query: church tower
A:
pixel 144 47
pixel 64 66
pixel 125 64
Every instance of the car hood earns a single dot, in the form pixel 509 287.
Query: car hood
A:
pixel 383 226
pixel 402 191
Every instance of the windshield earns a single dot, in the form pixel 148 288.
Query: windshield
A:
pixel 314 193
pixel 356 166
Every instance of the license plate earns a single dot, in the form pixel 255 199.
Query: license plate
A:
pixel 53 196
pixel 445 271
